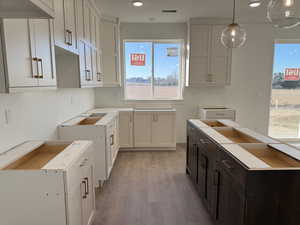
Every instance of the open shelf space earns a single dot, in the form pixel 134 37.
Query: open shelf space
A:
pixel 89 121
pixel 38 158
pixel 235 135
pixel 213 123
pixel 271 156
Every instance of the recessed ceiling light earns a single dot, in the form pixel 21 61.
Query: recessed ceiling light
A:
pixel 254 3
pixel 137 3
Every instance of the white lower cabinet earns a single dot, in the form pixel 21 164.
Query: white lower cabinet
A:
pixel 126 129
pixel 104 135
pixel 49 183
pixel 155 129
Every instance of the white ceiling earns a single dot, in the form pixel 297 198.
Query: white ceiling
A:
pixel 186 9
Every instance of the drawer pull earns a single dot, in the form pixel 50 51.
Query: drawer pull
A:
pixel 87 186
pixel 112 140
pixel 83 163
pixel 84 183
pixel 227 164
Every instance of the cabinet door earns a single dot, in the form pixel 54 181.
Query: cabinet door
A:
pixel 82 66
pixel 17 39
pixel 202 172
pixel 41 30
pixel 220 58
pixel 126 129
pixel 230 200
pixel 143 129
pixel 88 203
pixel 99 67
pixel 98 33
pixel 200 54
pixel 109 51
pixel 94 65
pixel 164 129
pixel 88 64
pixel 70 23
pixel 93 27
pixel 87 22
pixel 59 24
pixel 80 20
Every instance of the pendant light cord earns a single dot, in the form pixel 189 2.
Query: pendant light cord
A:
pixel 233 18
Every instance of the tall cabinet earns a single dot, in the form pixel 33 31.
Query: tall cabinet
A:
pixel 110 52
pixel 29 43
pixel 209 62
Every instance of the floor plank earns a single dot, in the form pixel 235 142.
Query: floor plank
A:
pixel 150 188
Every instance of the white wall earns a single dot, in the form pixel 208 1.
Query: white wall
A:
pixel 35 115
pixel 249 92
pixel 252 68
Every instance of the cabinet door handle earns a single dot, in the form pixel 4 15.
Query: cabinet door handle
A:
pixel 35 59
pixel 68 37
pixel 88 75
pixel 227 164
pixel 42 68
pixel 83 163
pixel 87 186
pixel 84 183
pixel 71 38
pixel 112 140
pixel 99 76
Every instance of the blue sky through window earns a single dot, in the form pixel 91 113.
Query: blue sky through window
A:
pixel 286 56
pixel 164 65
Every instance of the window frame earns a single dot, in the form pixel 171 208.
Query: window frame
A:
pixel 181 81
pixel 280 41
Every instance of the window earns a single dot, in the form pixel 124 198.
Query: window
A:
pixel 153 70
pixel 285 98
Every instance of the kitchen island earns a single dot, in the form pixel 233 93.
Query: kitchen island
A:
pixel 243 178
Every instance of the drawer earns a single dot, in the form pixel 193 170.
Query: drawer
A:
pixel 220 114
pixel 233 167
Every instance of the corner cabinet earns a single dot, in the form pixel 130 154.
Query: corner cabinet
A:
pixel 29 43
pixel 209 62
pixel 126 129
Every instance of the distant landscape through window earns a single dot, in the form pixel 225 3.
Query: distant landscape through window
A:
pixel 153 70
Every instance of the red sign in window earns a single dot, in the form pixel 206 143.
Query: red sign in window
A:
pixel 292 74
pixel 138 59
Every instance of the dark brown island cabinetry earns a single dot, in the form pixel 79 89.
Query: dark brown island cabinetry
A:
pixel 260 188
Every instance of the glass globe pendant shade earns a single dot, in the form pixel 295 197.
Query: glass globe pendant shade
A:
pixel 233 36
pixel 284 13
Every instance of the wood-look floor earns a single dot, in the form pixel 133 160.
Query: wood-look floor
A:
pixel 150 188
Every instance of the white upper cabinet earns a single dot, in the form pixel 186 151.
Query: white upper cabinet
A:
pixel 65 23
pixel 29 44
pixel 87 21
pixel 109 43
pixel 209 60
pixel 27 9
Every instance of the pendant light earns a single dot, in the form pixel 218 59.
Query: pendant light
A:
pixel 284 13
pixel 233 36
pixel 254 3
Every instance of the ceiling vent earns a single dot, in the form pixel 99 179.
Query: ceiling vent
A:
pixel 169 11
